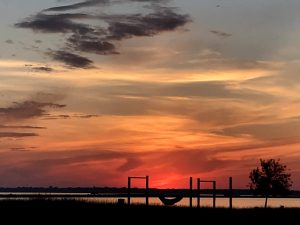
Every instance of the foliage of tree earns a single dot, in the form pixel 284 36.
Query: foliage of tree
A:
pixel 270 179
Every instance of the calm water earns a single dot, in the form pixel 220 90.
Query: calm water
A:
pixel 220 202
pixel 207 202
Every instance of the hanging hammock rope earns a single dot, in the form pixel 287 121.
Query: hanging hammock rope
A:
pixel 170 201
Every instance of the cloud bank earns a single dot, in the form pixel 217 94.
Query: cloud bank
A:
pixel 26 110
pixel 98 33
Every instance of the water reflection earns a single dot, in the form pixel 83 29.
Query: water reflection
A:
pixel 220 202
pixel 205 202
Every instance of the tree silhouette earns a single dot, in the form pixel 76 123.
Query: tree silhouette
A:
pixel 270 179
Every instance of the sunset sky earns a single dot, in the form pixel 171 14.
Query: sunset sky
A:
pixel 93 91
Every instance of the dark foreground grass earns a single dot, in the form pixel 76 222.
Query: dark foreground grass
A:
pixel 42 211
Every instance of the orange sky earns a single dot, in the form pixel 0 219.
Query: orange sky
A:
pixel 183 89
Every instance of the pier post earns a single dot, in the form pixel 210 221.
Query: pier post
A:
pixel 147 190
pixel 198 193
pixel 230 192
pixel 191 192
pixel 214 194
pixel 129 189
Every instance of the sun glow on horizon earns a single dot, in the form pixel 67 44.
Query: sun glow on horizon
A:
pixel 91 93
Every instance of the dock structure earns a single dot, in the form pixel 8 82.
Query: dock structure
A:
pixel 198 193
pixel 230 192
pixel 146 178
pixel 167 197
pixel 191 194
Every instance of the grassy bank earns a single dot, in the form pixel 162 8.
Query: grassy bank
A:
pixel 71 211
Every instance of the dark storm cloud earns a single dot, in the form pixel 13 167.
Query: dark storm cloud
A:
pixel 84 36
pixel 33 167
pixel 16 135
pixel 281 129
pixel 214 89
pixel 79 5
pixel 87 116
pixel 70 157
pixel 43 69
pixel 70 116
pixel 89 3
pixel 89 44
pixel 9 42
pixel 58 23
pixel 204 89
pixel 194 161
pixel 156 1
pixel 211 104
pixel 130 164
pixel 27 110
pixel 221 33
pixel 248 147
pixel 48 167
pixel 20 127
pixel 148 25
pixel 20 149
pixel 57 117
pixel 71 59
pixel 48 97
pixel 122 26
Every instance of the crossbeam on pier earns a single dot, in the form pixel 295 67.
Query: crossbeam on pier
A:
pixel 146 178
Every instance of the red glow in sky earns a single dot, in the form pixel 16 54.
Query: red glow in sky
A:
pixel 92 93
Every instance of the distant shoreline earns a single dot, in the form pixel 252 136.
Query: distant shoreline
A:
pixel 136 192
pixel 4 195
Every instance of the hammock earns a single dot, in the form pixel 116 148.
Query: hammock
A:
pixel 170 201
